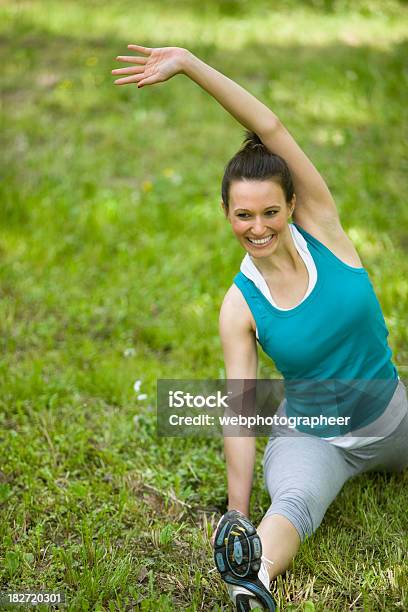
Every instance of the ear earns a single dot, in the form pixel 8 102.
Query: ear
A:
pixel 292 205
pixel 224 209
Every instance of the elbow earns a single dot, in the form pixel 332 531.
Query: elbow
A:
pixel 270 127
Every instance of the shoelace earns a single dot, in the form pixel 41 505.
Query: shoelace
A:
pixel 262 559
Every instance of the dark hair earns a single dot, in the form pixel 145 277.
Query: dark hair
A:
pixel 256 162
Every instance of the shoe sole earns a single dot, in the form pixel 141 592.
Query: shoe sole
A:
pixel 237 556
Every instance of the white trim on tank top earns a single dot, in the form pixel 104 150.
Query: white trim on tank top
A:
pixel 249 269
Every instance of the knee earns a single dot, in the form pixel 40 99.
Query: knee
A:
pixel 301 507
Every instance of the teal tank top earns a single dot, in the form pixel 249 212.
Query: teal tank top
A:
pixel 336 337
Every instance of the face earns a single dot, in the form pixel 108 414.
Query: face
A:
pixel 259 215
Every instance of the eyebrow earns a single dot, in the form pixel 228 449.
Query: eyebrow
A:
pixel 266 208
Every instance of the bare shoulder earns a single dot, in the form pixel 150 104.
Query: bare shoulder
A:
pixel 235 312
pixel 330 232
pixel 237 332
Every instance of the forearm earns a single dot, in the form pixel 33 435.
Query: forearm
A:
pixel 242 105
pixel 240 459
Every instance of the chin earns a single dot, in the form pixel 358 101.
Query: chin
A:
pixel 258 255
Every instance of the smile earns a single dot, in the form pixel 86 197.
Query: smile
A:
pixel 263 241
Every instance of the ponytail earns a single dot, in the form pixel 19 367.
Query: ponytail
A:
pixel 254 161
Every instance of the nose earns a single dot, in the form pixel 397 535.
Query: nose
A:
pixel 258 227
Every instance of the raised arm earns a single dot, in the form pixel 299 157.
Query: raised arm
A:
pixel 315 207
pixel 314 202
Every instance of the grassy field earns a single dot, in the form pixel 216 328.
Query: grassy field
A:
pixel 115 258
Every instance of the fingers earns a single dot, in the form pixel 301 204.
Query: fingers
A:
pixel 140 48
pixel 149 81
pixel 128 70
pixel 131 79
pixel 137 71
pixel 132 59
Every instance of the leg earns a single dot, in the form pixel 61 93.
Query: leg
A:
pixel 389 454
pixel 303 475
pixel 280 543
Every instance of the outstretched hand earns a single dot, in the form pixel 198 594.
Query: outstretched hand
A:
pixel 154 65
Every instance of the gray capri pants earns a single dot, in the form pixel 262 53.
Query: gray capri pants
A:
pixel 304 473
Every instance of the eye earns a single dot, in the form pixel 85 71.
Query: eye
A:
pixel 271 213
pixel 243 215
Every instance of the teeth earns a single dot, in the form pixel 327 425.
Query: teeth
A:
pixel 262 241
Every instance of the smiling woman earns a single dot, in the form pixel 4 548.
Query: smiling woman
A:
pixel 303 294
pixel 260 229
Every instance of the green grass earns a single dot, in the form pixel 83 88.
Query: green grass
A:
pixel 115 259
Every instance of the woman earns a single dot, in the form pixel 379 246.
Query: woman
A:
pixel 303 294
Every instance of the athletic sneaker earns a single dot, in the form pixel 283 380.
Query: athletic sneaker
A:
pixel 238 558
